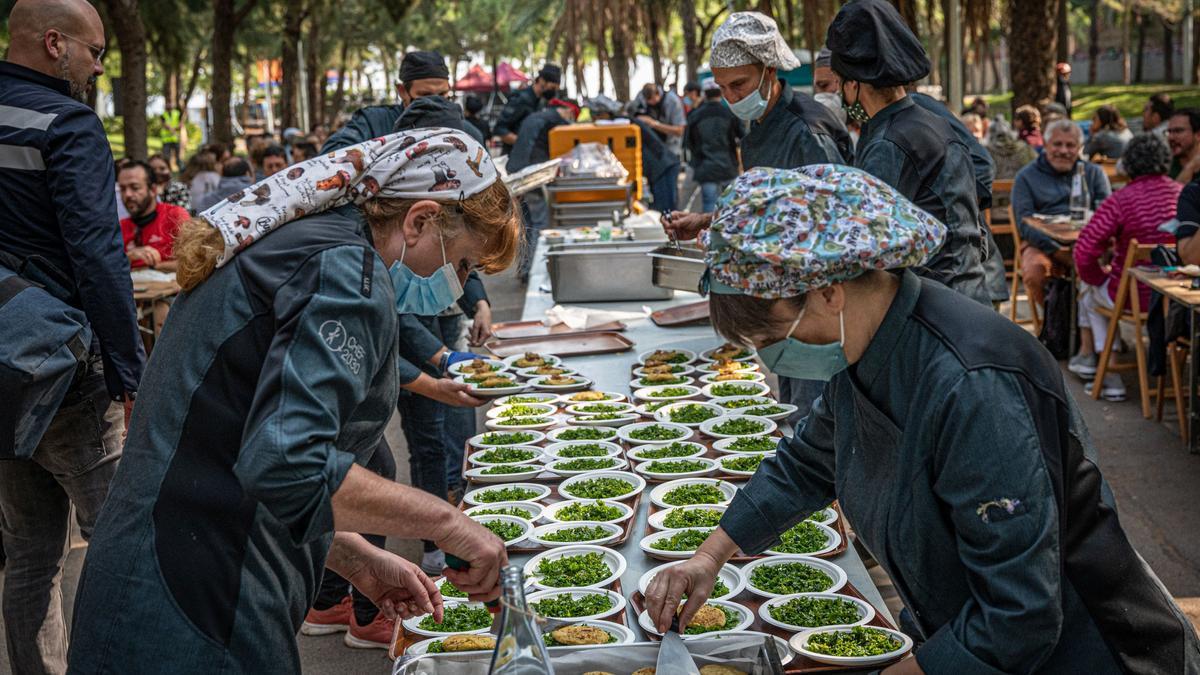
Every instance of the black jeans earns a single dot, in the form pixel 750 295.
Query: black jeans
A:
pixel 333 586
pixel 423 421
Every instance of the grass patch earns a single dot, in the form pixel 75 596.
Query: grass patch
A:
pixel 1129 99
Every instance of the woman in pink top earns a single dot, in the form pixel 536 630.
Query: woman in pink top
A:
pixel 1133 212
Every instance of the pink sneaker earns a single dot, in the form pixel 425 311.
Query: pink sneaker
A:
pixel 376 635
pixel 336 619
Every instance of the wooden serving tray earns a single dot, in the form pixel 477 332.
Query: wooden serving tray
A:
pixel 513 330
pixel 799 664
pixel 566 344
pixel 682 315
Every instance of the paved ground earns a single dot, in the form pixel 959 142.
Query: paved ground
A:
pixel 1152 476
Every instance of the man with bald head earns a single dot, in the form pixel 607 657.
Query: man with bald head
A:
pixel 58 221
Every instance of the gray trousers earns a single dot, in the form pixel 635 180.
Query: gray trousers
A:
pixel 73 464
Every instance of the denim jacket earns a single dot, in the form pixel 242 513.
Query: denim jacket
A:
pixel 957 454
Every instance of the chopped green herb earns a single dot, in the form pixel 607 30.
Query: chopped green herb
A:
pixel 650 381
pixel 435 647
pixel 577 534
pixel 506 511
pixel 821 516
pixel 599 408
pixel 719 589
pixel 564 606
pixel 516 438
pixel 585 450
pixel 656 432
pixel 766 410
pixel 754 444
pixel 672 392
pixel 745 463
pixel 858 641
pixel 691 413
pixel 740 427
pixel 676 449
pixel 790 577
pixel 586 434
pixel 653 407
pixel 735 389
pixel 694 493
pixel 585 569
pixel 593 511
pixel 505 455
pixel 599 488
pixel 816 612
pixel 804 537
pixel 740 403
pixel 676 466
pixel 449 590
pixel 526 421
pixel 505 530
pixel 530 398
pixel 522 411
pixel 587 464
pixel 458 619
pixel 683 540
pixel 506 469
pixel 692 518
pixel 603 417
pixel 509 494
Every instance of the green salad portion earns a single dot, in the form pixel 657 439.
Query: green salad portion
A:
pixel 458 619
pixel 515 438
pixel 691 413
pixel 649 381
pixel 600 512
pixel 744 463
pixel 586 434
pixel 731 621
pixel 564 606
pixel 584 450
pixel 683 540
pixel 599 488
pixel 676 466
pixel 676 449
pixel 737 403
pixel 655 405
pixel 858 641
pixel 790 577
pixel 804 537
pixel 600 408
pixel 604 417
pixel 586 464
pixel 504 529
pixel 692 518
pixel 734 389
pixel 821 516
pixel 522 411
pixel 526 421
pixel 449 590
pixel 514 511
pixel 505 455
pixel 672 392
pixel 754 444
pixel 740 427
pixel 505 469
pixel 574 570
pixel 816 612
pixel 694 493
pixel 656 432
pixel 766 410
pixel 582 533
pixel 530 398
pixel 510 494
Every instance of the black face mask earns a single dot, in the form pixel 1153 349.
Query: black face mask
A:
pixel 549 93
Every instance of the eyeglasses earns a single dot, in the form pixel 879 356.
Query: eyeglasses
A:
pixel 97 52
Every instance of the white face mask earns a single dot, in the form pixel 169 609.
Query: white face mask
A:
pixel 753 105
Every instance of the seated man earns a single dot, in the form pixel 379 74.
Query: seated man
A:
pixel 1044 187
pixel 274 159
pixel 1133 212
pixel 1187 212
pixel 149 231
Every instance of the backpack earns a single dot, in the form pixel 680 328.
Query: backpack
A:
pixel 44 346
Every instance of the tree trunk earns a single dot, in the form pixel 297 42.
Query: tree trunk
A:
pixel 1094 42
pixel 226 19
pixel 618 65
pixel 1126 42
pixel 692 48
pixel 1141 47
pixel 1062 41
pixel 385 58
pixel 1032 27
pixel 1168 51
pixel 131 40
pixel 316 74
pixel 289 85
pixel 655 44
pixel 339 93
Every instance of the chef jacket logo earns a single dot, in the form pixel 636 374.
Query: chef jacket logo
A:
pixel 333 333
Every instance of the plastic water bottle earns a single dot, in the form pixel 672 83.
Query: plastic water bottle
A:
pixel 520 649
pixel 1079 196
pixel 606 228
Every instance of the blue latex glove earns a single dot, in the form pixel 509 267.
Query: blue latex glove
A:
pixel 452 358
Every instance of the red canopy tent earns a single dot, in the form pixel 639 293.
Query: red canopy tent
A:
pixel 479 80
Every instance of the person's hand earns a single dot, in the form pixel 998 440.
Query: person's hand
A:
pixel 684 225
pixel 481 327
pixel 650 121
pixel 399 588
pixel 454 393
pixel 128 405
pixel 148 256
pixel 694 578
pixel 482 551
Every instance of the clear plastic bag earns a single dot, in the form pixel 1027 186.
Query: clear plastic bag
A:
pixel 592 160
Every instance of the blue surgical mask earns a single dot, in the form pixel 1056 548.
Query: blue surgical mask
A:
pixel 425 296
pixel 753 105
pixel 790 357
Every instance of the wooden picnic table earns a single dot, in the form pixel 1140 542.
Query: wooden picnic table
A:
pixel 1180 291
pixel 1065 234
pixel 153 300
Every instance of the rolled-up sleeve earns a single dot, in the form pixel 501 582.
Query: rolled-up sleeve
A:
pixel 788 487
pixel 330 342
pixel 991 476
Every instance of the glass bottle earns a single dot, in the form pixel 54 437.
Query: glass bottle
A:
pixel 1079 196
pixel 520 648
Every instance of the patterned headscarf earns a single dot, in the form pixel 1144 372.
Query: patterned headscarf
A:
pixel 781 232
pixel 750 37
pixel 431 163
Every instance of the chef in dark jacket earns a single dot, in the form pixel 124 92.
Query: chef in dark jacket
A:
pixel 525 102
pixel 875 55
pixel 945 432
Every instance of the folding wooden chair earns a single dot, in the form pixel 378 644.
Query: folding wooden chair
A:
pixel 1177 355
pixel 1013 230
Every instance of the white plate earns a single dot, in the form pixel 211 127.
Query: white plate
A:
pixel 799 643
pixel 761 400
pixel 831 536
pixel 647 409
pixel 752 389
pixel 478 441
pixel 625 433
pixel 537 536
pixel 743 376
pixel 476 458
pixel 837 574
pixel 624 635
pixel 788 409
pixel 709 427
pixel 707 355
pixel 473 497
pixel 609 396
pixel 661 490
pixel 636 453
pixel 676 369
pixel 731 575
pixel 580 383
pixel 530 472
pixel 543 410
pixel 614 560
pixel 410 624
pixel 497 366
pixel 663 414
pixel 493 392
pixel 782 648
pixel 501 423
pixel 691 355
pixel 711 366
pixel 555 435
pixel 682 381
pixel 830 517
pixel 646 544
pixel 511 361
pixel 525 525
pixel 422 647
pixel 744 623
pixel 578 408
pixel 723 445
pixel 532 508
pixel 557 466
pixel 618 601
pixel 584 421
pixel 709 464
pixel 550 513
pixel 654 393
pixel 657 520
pixel 865 611
pixel 555 450
pixel 535 396
pixel 741 472
pixel 635 480
pixel 531 373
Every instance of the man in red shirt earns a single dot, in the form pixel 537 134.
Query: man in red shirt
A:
pixel 149 231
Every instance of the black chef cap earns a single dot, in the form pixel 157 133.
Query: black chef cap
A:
pixel 550 73
pixel 870 43
pixel 423 66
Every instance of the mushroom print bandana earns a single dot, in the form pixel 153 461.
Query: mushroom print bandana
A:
pixel 432 163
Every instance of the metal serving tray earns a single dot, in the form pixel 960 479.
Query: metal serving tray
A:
pixel 678 268
pixel 603 272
